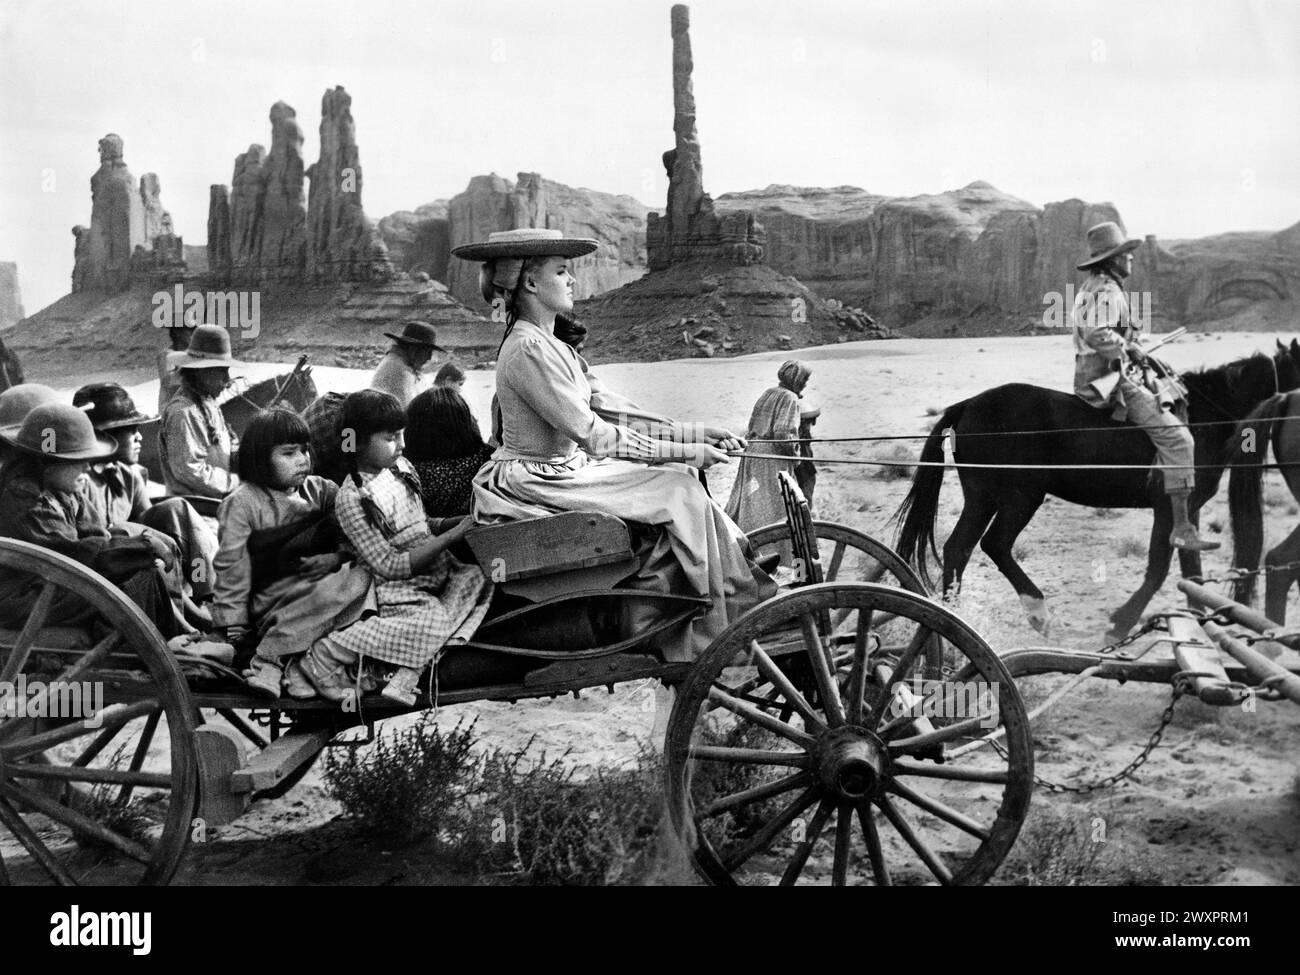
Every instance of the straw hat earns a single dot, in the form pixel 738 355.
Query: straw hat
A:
pixel 526 242
pixel 417 333
pixel 1105 241
pixel 60 432
pixel 209 349
pixel 17 401
pixel 109 406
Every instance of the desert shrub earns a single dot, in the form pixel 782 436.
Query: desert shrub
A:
pixel 534 819
pixel 897 454
pixel 102 804
pixel 409 785
pixel 1055 850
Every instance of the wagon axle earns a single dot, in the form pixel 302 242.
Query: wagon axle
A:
pixel 850 763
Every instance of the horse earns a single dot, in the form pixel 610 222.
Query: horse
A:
pixel 1055 428
pixel 1276 421
pixel 296 390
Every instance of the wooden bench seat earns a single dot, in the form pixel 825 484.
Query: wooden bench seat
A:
pixel 539 558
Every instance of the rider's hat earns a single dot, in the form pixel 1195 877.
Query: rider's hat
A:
pixel 526 242
pixel 209 349
pixel 1105 241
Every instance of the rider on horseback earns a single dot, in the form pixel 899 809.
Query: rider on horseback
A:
pixel 1108 371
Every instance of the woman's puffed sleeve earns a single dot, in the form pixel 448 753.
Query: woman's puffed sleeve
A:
pixel 542 380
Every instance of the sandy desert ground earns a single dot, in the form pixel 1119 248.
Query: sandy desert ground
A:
pixel 1219 802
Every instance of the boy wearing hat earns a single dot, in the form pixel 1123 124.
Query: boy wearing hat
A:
pixel 15 403
pixel 399 373
pixel 196 445
pixel 43 501
pixel 1107 353
pixel 118 487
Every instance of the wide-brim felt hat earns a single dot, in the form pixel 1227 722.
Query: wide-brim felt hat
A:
pixel 17 401
pixel 58 431
pixel 209 349
pixel 417 333
pixel 526 242
pixel 109 406
pixel 1105 241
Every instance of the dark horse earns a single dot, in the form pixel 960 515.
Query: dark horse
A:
pixel 1276 423
pixel 998 504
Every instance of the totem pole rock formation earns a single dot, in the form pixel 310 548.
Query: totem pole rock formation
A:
pixel 343 245
pixel 246 192
pixel 689 227
pixel 281 229
pixel 126 222
pixel 219 261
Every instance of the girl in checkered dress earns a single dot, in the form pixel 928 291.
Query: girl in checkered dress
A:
pixel 426 597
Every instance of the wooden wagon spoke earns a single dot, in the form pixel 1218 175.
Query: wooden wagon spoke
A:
pixel 958 729
pixel 858 674
pixel 4 873
pixel 14 822
pixel 952 773
pixel 879 868
pixel 843 839
pixel 73 773
pixel 778 679
pixel 942 810
pixel 763 838
pixel 760 718
pixel 913 840
pixel 91 658
pixel 906 661
pixel 76 821
pixel 17 657
pixel 141 751
pixel 837 557
pixel 111 718
pixel 101 742
pixel 821 668
pixel 801 853
pixel 749 756
pixel 754 794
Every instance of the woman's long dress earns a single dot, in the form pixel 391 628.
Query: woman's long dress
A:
pixel 557 455
pixel 755 495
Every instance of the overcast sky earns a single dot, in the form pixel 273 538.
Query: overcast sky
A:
pixel 1184 114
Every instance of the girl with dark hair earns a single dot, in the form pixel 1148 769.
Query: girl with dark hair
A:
pixel 444 445
pixel 427 598
pixel 278 569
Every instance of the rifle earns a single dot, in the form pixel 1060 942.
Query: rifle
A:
pixel 1160 377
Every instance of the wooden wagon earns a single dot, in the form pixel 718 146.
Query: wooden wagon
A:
pixel 809 741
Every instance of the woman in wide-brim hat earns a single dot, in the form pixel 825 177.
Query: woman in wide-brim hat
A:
pixel 557 453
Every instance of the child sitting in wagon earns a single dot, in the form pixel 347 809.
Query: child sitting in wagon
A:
pixel 43 501
pixel 278 569
pixel 427 598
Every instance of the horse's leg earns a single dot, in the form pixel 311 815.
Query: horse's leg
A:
pixel 1189 562
pixel 976 513
pixel 1160 555
pixel 1278 584
pixel 1012 517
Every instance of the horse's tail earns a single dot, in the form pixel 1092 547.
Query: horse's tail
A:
pixel 915 542
pixel 1246 452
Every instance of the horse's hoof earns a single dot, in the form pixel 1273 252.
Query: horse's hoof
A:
pixel 1040 617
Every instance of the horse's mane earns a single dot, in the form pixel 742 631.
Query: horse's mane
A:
pixel 1228 382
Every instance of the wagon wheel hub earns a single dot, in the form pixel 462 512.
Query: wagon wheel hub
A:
pixel 851 763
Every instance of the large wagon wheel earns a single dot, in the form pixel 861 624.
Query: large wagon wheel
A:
pixel 845 554
pixel 856 783
pixel 90 801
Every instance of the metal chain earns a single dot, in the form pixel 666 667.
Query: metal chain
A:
pixel 1153 623
pixel 1236 575
pixel 1124 773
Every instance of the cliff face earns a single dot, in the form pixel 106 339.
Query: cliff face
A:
pixel 422 240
